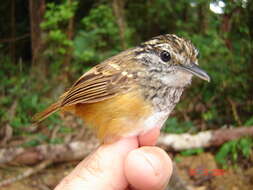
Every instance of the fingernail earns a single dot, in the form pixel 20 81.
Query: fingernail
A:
pixel 152 161
pixel 158 163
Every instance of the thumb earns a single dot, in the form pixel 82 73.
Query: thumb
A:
pixel 103 169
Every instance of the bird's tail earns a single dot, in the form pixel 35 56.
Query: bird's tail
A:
pixel 47 112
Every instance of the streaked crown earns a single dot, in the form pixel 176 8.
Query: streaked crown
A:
pixel 180 50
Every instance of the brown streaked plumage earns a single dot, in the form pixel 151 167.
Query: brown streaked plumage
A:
pixel 133 91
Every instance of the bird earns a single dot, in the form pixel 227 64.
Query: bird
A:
pixel 133 91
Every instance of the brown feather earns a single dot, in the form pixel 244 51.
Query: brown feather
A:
pixel 47 112
pixel 101 82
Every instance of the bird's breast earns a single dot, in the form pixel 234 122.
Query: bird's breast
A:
pixel 162 97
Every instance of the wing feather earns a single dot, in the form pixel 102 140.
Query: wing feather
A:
pixel 102 82
pixel 81 89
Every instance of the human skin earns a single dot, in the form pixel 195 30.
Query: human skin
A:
pixel 130 163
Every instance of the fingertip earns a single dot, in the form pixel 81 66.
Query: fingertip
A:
pixel 149 138
pixel 121 145
pixel 148 168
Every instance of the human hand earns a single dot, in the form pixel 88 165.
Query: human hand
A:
pixel 122 166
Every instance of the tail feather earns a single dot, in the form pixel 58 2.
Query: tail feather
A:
pixel 47 112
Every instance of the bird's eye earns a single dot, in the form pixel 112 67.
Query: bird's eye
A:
pixel 165 56
pixel 198 55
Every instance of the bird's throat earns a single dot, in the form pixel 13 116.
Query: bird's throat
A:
pixel 165 98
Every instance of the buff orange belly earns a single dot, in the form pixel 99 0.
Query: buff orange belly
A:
pixel 122 115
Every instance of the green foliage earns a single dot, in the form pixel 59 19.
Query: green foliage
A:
pixel 172 125
pixel 14 88
pixel 249 122
pixel 56 140
pixel 98 37
pixel 230 151
pixel 194 151
pixel 177 159
pixel 55 25
pixel 37 140
pixel 58 14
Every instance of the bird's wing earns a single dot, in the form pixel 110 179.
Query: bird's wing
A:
pixel 102 82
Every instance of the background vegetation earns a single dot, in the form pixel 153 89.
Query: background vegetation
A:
pixel 47 44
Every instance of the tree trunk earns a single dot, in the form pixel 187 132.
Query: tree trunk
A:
pixel 118 9
pixel 36 10
pixel 13 32
pixel 250 26
pixel 250 18
pixel 203 11
pixel 226 26
pixel 185 12
pixel 68 56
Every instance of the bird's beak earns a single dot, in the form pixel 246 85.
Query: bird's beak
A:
pixel 195 70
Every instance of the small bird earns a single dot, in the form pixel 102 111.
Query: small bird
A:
pixel 134 91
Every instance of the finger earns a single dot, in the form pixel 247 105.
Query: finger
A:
pixel 149 138
pixel 101 170
pixel 148 168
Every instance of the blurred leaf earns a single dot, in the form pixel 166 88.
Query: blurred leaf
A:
pixel 190 152
pixel 230 150
pixel 172 125
pixel 37 140
pixel 249 122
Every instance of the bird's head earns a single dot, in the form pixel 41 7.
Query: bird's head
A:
pixel 175 57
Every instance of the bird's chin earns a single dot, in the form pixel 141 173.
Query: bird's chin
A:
pixel 188 83
pixel 177 79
